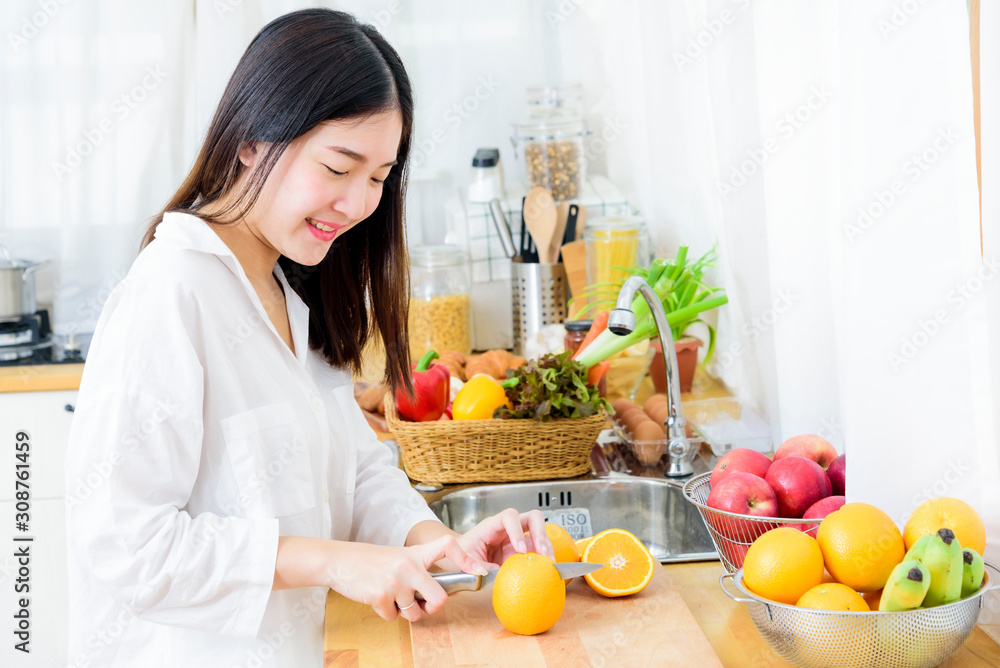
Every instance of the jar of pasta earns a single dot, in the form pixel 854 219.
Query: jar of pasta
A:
pixel 439 300
pixel 613 246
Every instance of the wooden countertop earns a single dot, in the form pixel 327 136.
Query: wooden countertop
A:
pixel 39 378
pixel 355 636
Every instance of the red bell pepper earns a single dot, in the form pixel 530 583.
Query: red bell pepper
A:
pixel 431 389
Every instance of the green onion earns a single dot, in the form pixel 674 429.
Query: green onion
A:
pixel 681 290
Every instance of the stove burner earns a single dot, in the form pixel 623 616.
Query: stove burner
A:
pixel 27 339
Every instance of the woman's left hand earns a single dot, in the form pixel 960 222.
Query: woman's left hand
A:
pixel 498 537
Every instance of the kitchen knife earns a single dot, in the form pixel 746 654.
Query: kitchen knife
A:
pixel 456 582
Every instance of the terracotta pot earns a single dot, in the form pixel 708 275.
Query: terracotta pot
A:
pixel 686 349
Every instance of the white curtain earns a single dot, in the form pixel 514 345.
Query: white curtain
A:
pixel 829 148
pixel 91 127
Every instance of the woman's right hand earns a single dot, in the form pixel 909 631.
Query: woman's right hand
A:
pixel 386 578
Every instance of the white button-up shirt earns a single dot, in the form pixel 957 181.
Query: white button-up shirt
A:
pixel 198 439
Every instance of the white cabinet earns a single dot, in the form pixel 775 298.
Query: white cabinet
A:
pixel 44 417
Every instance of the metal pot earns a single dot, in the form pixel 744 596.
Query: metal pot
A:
pixel 17 287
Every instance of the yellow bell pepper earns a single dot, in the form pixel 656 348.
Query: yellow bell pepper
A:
pixel 479 397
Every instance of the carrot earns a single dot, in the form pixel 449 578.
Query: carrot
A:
pixel 597 372
pixel 599 325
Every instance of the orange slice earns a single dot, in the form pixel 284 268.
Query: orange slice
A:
pixel 628 565
pixel 581 544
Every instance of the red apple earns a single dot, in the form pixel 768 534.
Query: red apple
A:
pixel 809 446
pixel 819 510
pixel 742 460
pixel 797 483
pixel 733 551
pixel 838 474
pixel 743 494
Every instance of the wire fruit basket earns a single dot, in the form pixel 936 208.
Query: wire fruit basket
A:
pixel 732 533
pixel 821 638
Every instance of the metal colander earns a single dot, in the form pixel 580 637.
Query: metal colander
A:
pixel 733 534
pixel 820 638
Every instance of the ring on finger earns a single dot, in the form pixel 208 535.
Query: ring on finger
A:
pixel 407 607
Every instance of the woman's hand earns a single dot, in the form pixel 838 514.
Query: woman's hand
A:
pixel 497 537
pixel 387 578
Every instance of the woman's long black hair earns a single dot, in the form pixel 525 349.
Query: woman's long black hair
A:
pixel 301 69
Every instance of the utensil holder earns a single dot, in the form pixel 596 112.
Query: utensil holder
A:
pixel 538 298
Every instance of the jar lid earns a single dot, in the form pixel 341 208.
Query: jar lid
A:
pixel 486 157
pixel 564 96
pixel 550 128
pixel 437 256
pixel 578 325
pixel 634 224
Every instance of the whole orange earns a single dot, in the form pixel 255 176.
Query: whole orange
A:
pixel 782 565
pixel 562 544
pixel 873 598
pixel 528 594
pixel 861 545
pixel 945 512
pixel 833 596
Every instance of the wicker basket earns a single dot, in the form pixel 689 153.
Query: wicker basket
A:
pixel 447 451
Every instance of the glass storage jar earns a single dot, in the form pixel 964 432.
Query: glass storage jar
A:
pixel 553 153
pixel 439 300
pixel 614 245
pixel 567 99
pixel 576 332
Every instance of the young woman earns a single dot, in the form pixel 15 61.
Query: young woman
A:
pixel 222 477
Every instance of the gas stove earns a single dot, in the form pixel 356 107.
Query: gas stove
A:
pixel 28 340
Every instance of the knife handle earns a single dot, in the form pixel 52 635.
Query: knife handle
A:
pixel 455 582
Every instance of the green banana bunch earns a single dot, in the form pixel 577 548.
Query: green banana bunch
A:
pixel 916 550
pixel 906 588
pixel 972 572
pixel 943 558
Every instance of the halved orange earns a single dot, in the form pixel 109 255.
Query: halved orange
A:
pixel 628 565
pixel 581 544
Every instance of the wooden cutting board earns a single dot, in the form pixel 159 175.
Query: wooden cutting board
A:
pixel 651 628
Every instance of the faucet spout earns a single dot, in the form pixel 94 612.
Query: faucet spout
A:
pixel 621 321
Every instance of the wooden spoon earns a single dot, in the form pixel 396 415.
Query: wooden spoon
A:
pixel 540 216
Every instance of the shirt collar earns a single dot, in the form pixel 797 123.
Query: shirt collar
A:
pixel 190 232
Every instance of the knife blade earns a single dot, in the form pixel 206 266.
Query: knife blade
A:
pixel 459 581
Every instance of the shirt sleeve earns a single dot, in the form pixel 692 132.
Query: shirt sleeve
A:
pixel 133 458
pixel 386 507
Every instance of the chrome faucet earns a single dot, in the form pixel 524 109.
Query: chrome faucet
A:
pixel 621 322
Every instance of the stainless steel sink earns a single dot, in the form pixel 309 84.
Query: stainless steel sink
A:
pixel 654 510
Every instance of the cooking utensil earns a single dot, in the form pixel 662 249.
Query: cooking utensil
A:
pixel 17 286
pixel 540 216
pixel 527 252
pixel 581 221
pixel 503 228
pixel 459 581
pixel 807 637
pixel 574 257
pixel 572 214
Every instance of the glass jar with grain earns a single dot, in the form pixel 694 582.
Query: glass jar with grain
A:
pixel 439 300
pixel 552 150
